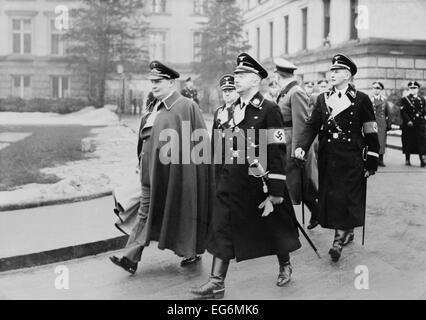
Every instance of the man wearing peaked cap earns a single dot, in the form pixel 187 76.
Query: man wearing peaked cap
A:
pixel 343 118
pixel 302 181
pixel 190 91
pixel 381 111
pixel 413 114
pixel 340 61
pixel 171 212
pixel 253 216
pixel 222 118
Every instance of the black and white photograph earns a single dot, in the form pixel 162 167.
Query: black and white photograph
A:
pixel 233 152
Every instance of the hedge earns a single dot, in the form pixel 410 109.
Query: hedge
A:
pixel 61 106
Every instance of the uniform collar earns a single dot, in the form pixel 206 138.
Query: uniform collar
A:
pixel 288 87
pixel 256 101
pixel 350 92
pixel 170 100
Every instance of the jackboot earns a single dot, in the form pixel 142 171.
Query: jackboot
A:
pixel 286 269
pixel 214 288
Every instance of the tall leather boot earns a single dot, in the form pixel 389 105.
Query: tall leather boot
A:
pixel 214 288
pixel 422 161
pixel 286 270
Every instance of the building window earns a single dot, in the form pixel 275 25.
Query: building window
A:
pixel 354 16
pixel 285 34
pixel 158 45
pixel 21 29
pixel 21 86
pixel 304 28
pixel 326 20
pixel 197 38
pixel 271 39
pixel 258 43
pixel 57 44
pixel 159 6
pixel 60 86
pixel 200 7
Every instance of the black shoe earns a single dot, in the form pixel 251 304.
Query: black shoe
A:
pixel 407 163
pixel 381 164
pixel 423 164
pixel 188 261
pixel 335 252
pixel 284 276
pixel 313 224
pixel 125 263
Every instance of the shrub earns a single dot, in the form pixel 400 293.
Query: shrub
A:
pixel 61 106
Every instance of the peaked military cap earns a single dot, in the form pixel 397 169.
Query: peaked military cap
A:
pixel 227 82
pixel 379 84
pixel 340 61
pixel 245 63
pixel 161 71
pixel 284 66
pixel 413 84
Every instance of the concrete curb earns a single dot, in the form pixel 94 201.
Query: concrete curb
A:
pixel 29 205
pixel 61 254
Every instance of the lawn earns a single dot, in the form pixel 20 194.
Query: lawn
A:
pixel 47 146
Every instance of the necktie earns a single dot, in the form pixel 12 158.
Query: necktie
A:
pixel 339 94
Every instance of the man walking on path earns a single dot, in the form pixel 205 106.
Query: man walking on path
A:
pixel 294 105
pixel 413 114
pixel 381 111
pixel 348 152
pixel 238 227
pixel 174 203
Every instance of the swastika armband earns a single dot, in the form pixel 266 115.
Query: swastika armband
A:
pixel 370 127
pixel 276 136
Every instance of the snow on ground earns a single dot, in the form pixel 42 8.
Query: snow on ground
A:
pixel 88 116
pixel 112 163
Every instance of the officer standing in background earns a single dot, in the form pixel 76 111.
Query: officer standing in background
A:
pixel 309 88
pixel 222 118
pixel 294 105
pixel 322 85
pixel 348 152
pixel 381 111
pixel 413 114
pixel 250 219
pixel 190 92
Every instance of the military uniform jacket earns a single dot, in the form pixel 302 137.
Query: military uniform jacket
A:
pixel 348 144
pixel 381 112
pixel 293 103
pixel 237 229
pixel 222 120
pixel 413 138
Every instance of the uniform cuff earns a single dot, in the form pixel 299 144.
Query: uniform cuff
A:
pixel 372 161
pixel 276 184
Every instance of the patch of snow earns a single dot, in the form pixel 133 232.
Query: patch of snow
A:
pixel 113 163
pixel 88 116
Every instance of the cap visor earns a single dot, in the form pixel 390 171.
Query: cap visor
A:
pixel 228 87
pixel 156 77
pixel 243 69
pixel 339 66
